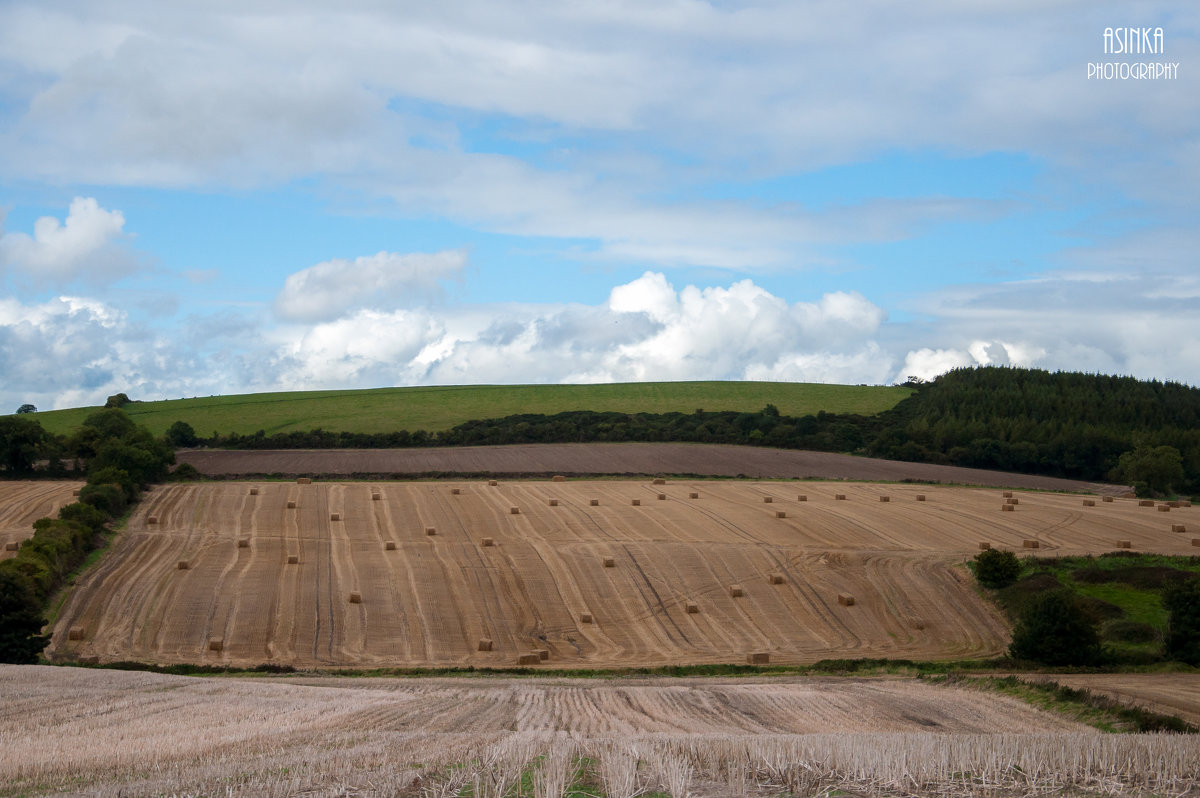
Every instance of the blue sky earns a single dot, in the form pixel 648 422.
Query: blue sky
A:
pixel 215 198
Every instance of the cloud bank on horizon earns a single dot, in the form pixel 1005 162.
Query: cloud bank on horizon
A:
pixel 206 198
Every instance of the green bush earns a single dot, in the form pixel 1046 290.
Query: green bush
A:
pixel 996 569
pixel 1054 630
pixel 1126 631
pixel 20 622
pixel 1182 602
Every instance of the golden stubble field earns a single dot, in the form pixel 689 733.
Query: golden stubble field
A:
pixel 229 573
pixel 22 503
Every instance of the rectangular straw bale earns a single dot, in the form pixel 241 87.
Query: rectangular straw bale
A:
pixel 920 497
pixel 531 658
pixel 1174 504
pixel 1007 494
pixel 243 543
pixel 153 519
pixel 183 565
pixel 216 644
pixel 75 492
pixel 662 497
pixel 609 562
pixel 254 491
pixel 543 653
pixel 1178 528
pixel 984 545
pixel 75 633
pixel 758 658
pixel 1185 503
pixel 485 645
pixel 390 545
pixel 636 502
pixel 553 502
pixel 735 591
pixel 1196 541
pixel 1031 544
pixel 1164 508
pixel 845 599
pixel 660 482
pixel 594 503
pixel 1007 507
pixel 691 608
pixel 1089 502
pixel 492 483
pixel 291 505
pixel 430 531
pixel 781 513
pixel 776 579
pixel 514 510
pixel 455 491
pixel 585 617
pixel 767 499
pixel 12 546
pixel 293 559
pixel 1013 502
pixel 487 542
pixel 559 478
pixel 335 516
pixel 355 597
pixel 1146 503
pixel 1106 499
pixel 304 481
pixel 376 497
pixel 693 495
pixel 841 497
pixel 1124 544
pixel 885 498
pixel 802 498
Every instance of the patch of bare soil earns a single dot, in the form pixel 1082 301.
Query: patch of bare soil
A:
pixel 590 459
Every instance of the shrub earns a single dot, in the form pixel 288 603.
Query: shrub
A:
pixel 1054 630
pixel 20 621
pixel 185 472
pixel 1182 602
pixel 996 569
pixel 1126 631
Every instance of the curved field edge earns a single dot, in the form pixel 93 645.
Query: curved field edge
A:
pixel 439 408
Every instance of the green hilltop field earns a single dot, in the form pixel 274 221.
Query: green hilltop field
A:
pixel 439 408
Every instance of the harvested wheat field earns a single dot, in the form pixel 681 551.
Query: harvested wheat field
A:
pixel 22 503
pixel 109 733
pixel 249 573
pixel 1175 694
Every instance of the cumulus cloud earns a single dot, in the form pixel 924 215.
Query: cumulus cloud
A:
pixel 90 245
pixel 332 288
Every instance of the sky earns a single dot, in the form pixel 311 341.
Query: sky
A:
pixel 201 198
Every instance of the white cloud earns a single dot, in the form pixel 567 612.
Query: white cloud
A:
pixel 90 245
pixel 385 280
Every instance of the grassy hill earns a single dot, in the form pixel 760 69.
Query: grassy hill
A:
pixel 440 408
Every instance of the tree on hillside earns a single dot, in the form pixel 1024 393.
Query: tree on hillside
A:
pixel 181 435
pixel 26 408
pixel 1054 630
pixel 20 622
pixel 117 400
pixel 21 441
pixel 1182 601
pixel 996 569
pixel 1153 470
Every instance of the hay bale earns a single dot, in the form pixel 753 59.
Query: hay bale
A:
pixel 12 546
pixel 559 478
pixel 1185 503
pixel 216 644
pixel 1031 544
pixel 75 492
pixel 636 502
pixel 781 514
pixel 841 497
pixel 455 491
pixel 430 531
pixel 691 608
pixel 90 659
pixel 183 565
pixel 355 597
pixel 335 516
pixel 291 505
pixel 484 645
pixel 293 559
pixel 492 483
pixel 376 497
pixel 758 658
pixel 776 579
pixel 1164 508
pixel 662 497
pixel 1007 494
pixel 984 545
pixel 529 659
pixel 1007 507
pixel 1178 528
pixel 1146 503
pixel 885 498
pixel 802 498
pixel 389 546
pixel 75 633
pixel 660 482
pixel 1089 502
pixel 1106 499
pixel 920 497
pixel 609 562
pixel 767 499
pixel 1013 502
pixel 304 481
pixel 152 519
pixel 487 543
pixel 1174 504
pixel 553 502
pixel 1196 541
pixel 543 653
pixel 585 617
pixel 735 591
pixel 254 491
pixel 1124 544
pixel 243 543
pixel 594 503
pixel 693 495
pixel 514 510
pixel 845 599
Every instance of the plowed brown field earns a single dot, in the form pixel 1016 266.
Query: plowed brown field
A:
pixel 22 503
pixel 433 598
